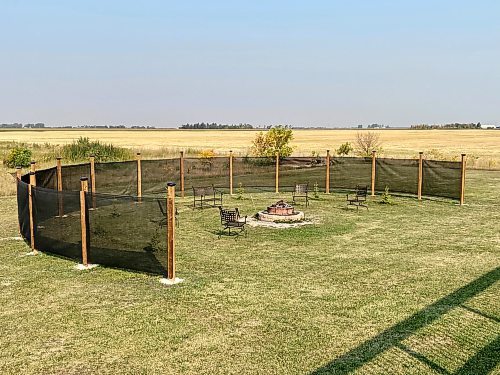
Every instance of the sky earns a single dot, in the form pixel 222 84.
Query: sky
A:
pixel 302 63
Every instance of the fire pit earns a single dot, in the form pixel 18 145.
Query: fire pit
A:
pixel 281 212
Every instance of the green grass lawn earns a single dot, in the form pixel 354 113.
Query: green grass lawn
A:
pixel 410 288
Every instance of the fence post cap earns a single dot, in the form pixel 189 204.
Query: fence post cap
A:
pixel 58 158
pixel 170 183
pixel 138 153
pixel 32 162
pixel 420 152
pixel 327 150
pixel 83 178
pixel 31 173
pixel 464 154
pixel 92 155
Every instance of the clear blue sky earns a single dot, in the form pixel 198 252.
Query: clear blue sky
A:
pixel 325 63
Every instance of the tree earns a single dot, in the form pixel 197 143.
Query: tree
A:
pixel 366 142
pixel 276 140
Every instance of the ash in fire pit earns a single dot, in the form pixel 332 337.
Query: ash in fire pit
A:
pixel 281 212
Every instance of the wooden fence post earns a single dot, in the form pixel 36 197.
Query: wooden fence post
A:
pixel 374 160
pixel 83 218
pixel 30 207
pixel 18 179
pixel 277 182
pixel 181 170
pixel 171 230
pixel 231 172
pixel 327 183
pixel 420 174
pixel 92 180
pixel 60 207
pixel 33 169
pixel 462 179
pixel 139 176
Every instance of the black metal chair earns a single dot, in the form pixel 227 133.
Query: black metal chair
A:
pixel 231 219
pixel 301 191
pixel 359 198
pixel 206 196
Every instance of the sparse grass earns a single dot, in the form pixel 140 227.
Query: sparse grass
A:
pixel 276 302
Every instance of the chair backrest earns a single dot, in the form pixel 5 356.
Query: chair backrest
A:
pixel 203 190
pixel 301 188
pixel 361 191
pixel 229 216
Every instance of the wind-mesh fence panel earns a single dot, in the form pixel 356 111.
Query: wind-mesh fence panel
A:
pixel 346 172
pixel 156 174
pixel 302 170
pixel 441 178
pixel 71 174
pixel 47 178
pixel 116 177
pixel 23 213
pixel 399 175
pixel 128 233
pixel 254 173
pixel 199 172
pixel 56 234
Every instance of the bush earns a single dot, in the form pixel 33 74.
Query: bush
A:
pixel 84 147
pixel 344 149
pixel 18 157
pixel 276 140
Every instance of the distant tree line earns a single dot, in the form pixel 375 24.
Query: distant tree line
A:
pixel 17 125
pixel 214 125
pixel 456 125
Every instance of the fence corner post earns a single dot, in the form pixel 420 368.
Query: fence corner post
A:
pixel 327 183
pixel 462 179
pixel 84 183
pixel 374 161
pixel 420 174
pixel 231 172
pixel 181 171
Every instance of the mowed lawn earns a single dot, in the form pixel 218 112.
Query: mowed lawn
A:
pixel 410 288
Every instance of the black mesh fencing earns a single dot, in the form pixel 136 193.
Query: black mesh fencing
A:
pixel 302 170
pixel 441 179
pixel 127 233
pixel 199 172
pixel 115 177
pixel 57 234
pixel 346 173
pixel 398 175
pixel 254 173
pixel 23 209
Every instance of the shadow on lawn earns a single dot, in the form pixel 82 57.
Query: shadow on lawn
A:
pixel 481 363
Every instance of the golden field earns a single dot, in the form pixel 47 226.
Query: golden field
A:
pixel 481 146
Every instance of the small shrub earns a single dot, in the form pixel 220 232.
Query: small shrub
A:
pixel 240 191
pixel 275 140
pixel 206 154
pixel 18 157
pixel 316 190
pixel 386 197
pixel 344 149
pixel 366 142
